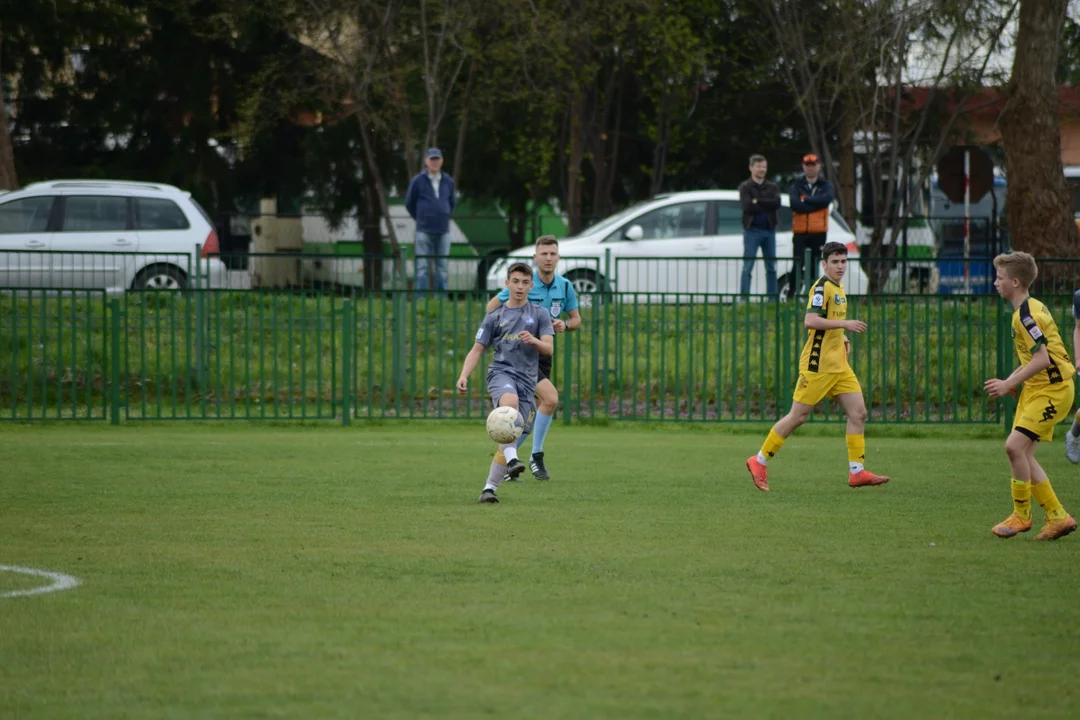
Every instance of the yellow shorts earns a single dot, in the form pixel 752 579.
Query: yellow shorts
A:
pixel 812 388
pixel 1041 408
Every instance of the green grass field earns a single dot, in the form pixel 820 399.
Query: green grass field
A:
pixel 301 572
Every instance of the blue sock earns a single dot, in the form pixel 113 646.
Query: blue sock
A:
pixel 521 439
pixel 540 431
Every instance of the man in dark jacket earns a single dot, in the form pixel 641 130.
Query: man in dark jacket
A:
pixel 430 201
pixel 760 201
pixel 810 198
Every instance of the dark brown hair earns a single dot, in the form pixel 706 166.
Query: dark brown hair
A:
pixel 519 267
pixel 832 248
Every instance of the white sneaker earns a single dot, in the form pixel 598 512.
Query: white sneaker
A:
pixel 1072 447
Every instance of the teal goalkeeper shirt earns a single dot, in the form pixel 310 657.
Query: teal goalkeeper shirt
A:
pixel 556 298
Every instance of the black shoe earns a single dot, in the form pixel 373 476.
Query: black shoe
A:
pixel 537 466
pixel 514 468
pixel 488 496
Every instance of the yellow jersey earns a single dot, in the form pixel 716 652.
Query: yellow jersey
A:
pixel 824 349
pixel 1032 326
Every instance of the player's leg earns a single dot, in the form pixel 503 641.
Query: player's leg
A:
pixel 1020 448
pixel 1072 440
pixel 1055 407
pixel 547 399
pixel 1058 522
pixel 780 432
pixel 526 406
pixel 514 466
pixel 499 387
pixel 855 409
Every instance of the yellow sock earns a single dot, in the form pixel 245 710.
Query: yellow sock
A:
pixel 499 457
pixel 1045 496
pixel 1021 492
pixel 856 452
pixel 772 445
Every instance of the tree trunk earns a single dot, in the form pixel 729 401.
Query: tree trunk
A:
pixel 845 180
pixel 380 194
pixel 9 180
pixel 373 246
pixel 573 168
pixel 517 223
pixel 1037 200
pixel 602 161
pixel 459 151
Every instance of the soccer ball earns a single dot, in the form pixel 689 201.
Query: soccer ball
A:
pixel 504 425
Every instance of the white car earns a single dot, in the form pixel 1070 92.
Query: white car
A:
pixel 686 243
pixel 105 234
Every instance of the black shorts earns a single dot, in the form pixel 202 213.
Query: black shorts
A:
pixel 544 370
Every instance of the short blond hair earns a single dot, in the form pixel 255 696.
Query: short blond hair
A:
pixel 1018 265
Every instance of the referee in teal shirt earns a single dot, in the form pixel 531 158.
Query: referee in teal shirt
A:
pixel 555 294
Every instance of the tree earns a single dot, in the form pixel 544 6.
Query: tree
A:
pixel 892 77
pixel 9 178
pixel 1038 202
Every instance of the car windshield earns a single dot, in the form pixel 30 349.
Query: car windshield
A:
pixel 613 220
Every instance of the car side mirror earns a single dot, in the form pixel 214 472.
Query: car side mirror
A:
pixel 634 232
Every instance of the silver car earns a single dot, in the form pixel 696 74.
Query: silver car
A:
pixel 105 234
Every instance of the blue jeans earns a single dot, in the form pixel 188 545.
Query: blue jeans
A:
pixel 765 240
pixel 437 245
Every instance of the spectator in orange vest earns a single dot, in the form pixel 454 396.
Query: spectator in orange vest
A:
pixel 810 198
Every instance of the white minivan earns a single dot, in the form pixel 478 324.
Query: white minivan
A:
pixel 105 234
pixel 685 243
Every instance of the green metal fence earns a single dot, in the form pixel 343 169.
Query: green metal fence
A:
pixel 225 354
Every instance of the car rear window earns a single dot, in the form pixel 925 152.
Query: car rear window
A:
pixel 159 214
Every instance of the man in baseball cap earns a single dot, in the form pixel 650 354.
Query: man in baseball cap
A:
pixel 810 197
pixel 430 201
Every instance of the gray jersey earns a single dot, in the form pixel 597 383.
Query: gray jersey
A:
pixel 501 330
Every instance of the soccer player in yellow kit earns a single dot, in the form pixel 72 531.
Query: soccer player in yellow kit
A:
pixel 1047 375
pixel 824 372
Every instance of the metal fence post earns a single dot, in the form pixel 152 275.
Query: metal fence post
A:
pixel 348 328
pixel 114 361
pixel 568 376
pixel 808 259
pixel 1004 320
pixel 200 316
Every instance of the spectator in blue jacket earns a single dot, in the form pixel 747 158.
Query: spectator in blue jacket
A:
pixel 430 201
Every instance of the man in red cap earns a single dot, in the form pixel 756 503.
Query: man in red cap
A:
pixel 811 196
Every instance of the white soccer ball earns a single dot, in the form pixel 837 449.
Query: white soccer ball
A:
pixel 504 425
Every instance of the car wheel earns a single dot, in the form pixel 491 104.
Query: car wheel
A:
pixel 784 286
pixel 160 277
pixel 588 285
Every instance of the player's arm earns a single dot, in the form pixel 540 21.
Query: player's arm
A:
pixel 573 321
pixel 494 304
pixel 1040 361
pixel 1076 344
pixel 814 321
pixel 471 361
pixel 545 345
